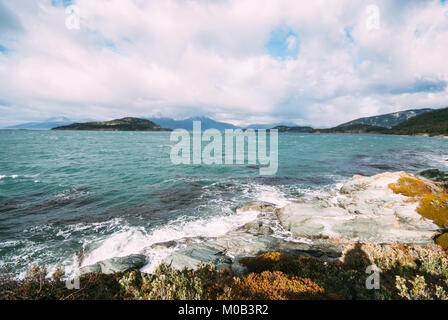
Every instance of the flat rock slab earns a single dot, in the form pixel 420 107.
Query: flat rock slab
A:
pixel 257 206
pixel 117 264
pixel 195 254
pixel 226 250
pixel 365 210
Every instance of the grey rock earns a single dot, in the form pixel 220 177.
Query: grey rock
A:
pixel 93 268
pixel 195 254
pixel 117 264
pixel 258 206
pixel 175 243
pixel 256 227
pixel 433 174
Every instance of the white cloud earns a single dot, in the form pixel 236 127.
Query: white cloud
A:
pixel 184 58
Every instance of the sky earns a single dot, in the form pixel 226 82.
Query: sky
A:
pixel 317 63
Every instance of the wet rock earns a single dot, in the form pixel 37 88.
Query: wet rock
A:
pixel 238 244
pixel 194 254
pixel 176 243
pixel 164 245
pixel 117 264
pixel 93 268
pixel 256 227
pixel 434 175
pixel 264 207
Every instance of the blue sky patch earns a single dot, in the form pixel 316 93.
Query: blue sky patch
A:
pixel 348 34
pixel 3 49
pixel 283 43
pixel 59 3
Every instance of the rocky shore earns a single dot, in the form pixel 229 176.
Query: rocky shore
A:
pixel 311 248
pixel 369 210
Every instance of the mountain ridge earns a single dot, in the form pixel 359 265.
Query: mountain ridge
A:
pixel 388 120
pixel 187 124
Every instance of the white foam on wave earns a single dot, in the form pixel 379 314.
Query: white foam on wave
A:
pixel 438 160
pixel 269 194
pixel 132 240
pixel 13 176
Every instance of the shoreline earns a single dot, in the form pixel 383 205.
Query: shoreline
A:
pixel 332 265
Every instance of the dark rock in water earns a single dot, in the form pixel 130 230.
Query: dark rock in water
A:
pixel 118 264
pixel 164 245
pixel 434 175
pixel 257 206
pixel 256 166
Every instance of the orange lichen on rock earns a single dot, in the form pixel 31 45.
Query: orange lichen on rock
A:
pixel 411 186
pixel 433 202
pixel 435 207
pixel 443 241
pixel 275 286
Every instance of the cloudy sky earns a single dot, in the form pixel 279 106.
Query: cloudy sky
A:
pixel 242 61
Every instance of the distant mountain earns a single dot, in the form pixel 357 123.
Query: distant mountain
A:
pixel 206 123
pixel 124 124
pixel 47 124
pixel 272 125
pixel 353 128
pixel 431 123
pixel 388 120
pixel 294 129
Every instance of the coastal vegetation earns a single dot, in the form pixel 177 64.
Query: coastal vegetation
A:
pixel 408 272
pixel 432 123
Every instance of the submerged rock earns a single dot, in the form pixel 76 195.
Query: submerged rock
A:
pixel 434 175
pixel 117 264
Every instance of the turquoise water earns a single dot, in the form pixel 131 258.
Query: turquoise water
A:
pixel 71 197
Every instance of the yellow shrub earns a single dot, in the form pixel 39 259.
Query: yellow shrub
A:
pixel 435 208
pixel 273 261
pixel 275 286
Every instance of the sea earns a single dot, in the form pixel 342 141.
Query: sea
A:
pixel 73 198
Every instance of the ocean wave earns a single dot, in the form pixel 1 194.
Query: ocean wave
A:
pixel 132 240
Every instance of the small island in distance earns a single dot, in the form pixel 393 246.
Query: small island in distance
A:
pixel 123 124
